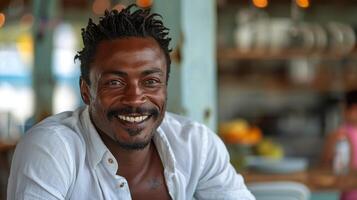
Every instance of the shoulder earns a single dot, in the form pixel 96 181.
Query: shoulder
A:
pixel 191 140
pixel 56 134
pixel 180 128
pixel 182 124
pixel 64 126
pixel 202 158
pixel 46 157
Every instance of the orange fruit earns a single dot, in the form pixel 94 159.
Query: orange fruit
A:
pixel 233 137
pixel 144 3
pixel 250 137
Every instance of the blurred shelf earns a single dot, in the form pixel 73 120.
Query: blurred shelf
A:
pixel 331 72
pixel 227 54
pixel 322 82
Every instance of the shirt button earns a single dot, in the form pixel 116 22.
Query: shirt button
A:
pixel 110 160
pixel 121 185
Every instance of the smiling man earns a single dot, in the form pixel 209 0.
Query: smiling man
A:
pixel 123 144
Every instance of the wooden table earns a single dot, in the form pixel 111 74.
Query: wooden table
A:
pixel 5 149
pixel 5 146
pixel 316 179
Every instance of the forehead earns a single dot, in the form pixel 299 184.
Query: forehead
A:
pixel 129 49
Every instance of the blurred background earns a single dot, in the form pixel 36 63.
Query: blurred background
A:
pixel 267 76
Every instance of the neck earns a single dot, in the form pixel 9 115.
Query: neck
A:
pixel 132 164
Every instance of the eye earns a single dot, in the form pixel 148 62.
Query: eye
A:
pixel 115 83
pixel 152 82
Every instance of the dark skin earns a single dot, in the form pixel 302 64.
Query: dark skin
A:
pixel 127 101
pixel 350 117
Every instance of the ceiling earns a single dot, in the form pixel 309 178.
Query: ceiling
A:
pixel 312 2
pixel 78 4
pixel 82 4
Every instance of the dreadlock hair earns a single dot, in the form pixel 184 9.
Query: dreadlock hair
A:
pixel 115 25
pixel 351 98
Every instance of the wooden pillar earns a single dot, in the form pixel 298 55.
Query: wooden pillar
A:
pixel 45 12
pixel 193 84
pixel 171 12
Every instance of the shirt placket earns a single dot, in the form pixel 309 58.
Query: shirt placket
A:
pixel 168 162
pixel 117 186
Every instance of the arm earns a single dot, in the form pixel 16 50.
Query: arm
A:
pixel 219 180
pixel 41 167
pixel 328 150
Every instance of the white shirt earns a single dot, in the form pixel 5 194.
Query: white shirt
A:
pixel 63 157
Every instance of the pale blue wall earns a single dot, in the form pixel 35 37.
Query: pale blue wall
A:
pixel 192 89
pixel 45 12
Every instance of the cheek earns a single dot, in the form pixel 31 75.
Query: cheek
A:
pixel 103 98
pixel 100 106
pixel 159 99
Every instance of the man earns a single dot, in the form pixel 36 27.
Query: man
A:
pixel 123 145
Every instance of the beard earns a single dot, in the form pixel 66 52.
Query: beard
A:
pixel 111 114
pixel 136 146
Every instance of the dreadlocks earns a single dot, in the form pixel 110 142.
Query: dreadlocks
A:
pixel 114 25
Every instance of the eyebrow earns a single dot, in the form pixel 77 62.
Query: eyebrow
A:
pixel 118 73
pixel 153 71
pixel 144 73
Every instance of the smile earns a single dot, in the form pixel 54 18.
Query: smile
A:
pixel 133 119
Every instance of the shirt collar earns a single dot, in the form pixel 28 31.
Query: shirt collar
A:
pixel 95 145
pixel 164 149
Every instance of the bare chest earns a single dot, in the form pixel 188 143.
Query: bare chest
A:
pixel 151 188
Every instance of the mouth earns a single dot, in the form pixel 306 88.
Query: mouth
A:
pixel 133 119
pixel 134 124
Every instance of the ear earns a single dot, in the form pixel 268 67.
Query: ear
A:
pixel 85 92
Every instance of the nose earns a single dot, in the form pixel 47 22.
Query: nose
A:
pixel 133 96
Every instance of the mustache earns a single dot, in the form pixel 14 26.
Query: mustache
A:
pixel 132 110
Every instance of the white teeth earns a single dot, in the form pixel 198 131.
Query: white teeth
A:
pixel 132 119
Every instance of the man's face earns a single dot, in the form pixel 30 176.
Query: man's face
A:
pixel 127 93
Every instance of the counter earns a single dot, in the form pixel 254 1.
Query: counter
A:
pixel 316 179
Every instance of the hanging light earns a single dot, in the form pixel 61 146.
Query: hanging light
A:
pixel 118 7
pixel 99 6
pixel 303 3
pixel 260 3
pixel 144 3
pixel 27 19
pixel 2 19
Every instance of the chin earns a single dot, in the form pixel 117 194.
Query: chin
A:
pixel 134 139
pixel 136 145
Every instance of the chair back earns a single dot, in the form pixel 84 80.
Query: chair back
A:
pixel 280 190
